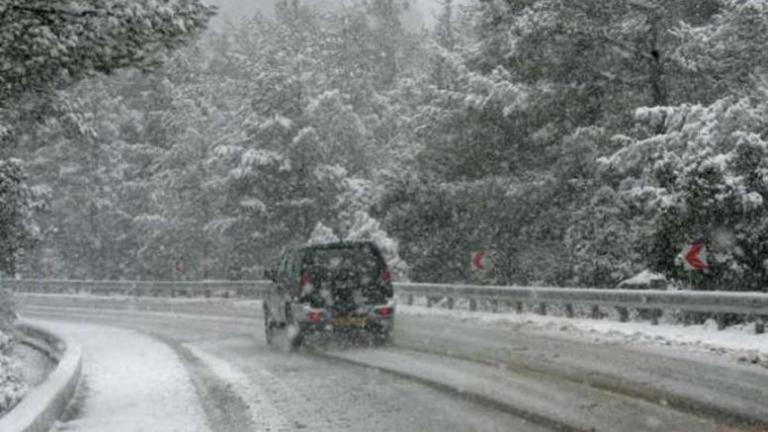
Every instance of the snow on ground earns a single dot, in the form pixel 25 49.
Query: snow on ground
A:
pixel 131 383
pixel 34 366
pixel 738 342
pixel 645 278
pixel 263 412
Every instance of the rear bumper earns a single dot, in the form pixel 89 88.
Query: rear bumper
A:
pixel 377 318
pixel 371 324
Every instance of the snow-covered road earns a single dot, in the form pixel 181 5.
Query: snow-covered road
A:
pixel 131 382
pixel 242 385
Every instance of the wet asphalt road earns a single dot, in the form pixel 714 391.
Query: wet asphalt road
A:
pixel 579 383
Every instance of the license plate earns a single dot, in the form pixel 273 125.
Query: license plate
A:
pixel 349 322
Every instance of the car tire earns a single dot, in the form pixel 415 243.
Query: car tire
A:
pixel 382 338
pixel 297 339
pixel 269 327
pixel 269 331
pixel 270 334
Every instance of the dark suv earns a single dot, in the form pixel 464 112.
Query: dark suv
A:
pixel 330 288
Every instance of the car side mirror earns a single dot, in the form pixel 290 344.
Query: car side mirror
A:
pixel 270 274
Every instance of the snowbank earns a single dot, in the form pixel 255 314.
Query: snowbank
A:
pixel 644 279
pixel 737 342
pixel 44 404
pixel 265 415
pixel 12 387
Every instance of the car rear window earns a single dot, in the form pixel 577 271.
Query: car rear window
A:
pixel 360 258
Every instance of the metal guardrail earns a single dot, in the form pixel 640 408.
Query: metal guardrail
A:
pixel 649 302
pixel 247 289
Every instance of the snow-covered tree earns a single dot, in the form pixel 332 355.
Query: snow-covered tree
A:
pixel 704 178
pixel 17 229
pixel 364 228
pixel 606 241
pixel 483 134
pixel 15 232
pixel 727 53
pixel 46 44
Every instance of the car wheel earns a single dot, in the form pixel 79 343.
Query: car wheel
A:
pixel 294 330
pixel 269 328
pixel 382 338
pixel 270 334
pixel 297 341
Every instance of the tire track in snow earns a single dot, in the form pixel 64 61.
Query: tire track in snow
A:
pixel 311 394
pixel 263 415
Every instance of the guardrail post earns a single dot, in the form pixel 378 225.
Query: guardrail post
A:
pixel 720 318
pixel 687 318
pixel 623 314
pixel 569 310
pixel 472 305
pixel 760 325
pixel 542 309
pixel 595 313
pixel 655 315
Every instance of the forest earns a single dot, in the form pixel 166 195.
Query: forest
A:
pixel 581 142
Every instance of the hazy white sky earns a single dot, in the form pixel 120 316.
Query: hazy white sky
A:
pixel 234 10
pixel 423 11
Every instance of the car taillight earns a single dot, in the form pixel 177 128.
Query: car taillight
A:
pixel 385 311
pixel 386 277
pixel 306 285
pixel 315 315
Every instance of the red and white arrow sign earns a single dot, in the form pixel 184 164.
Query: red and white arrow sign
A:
pixel 478 259
pixel 695 256
pixel 178 266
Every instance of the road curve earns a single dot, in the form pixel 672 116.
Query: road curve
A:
pixel 551 383
pixel 243 385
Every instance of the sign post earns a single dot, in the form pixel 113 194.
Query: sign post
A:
pixel 178 272
pixel 481 265
pixel 694 259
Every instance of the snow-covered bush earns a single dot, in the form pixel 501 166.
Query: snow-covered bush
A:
pixel 364 227
pixel 12 388
pixel 7 313
pixel 605 241
pixel 16 229
pixel 321 235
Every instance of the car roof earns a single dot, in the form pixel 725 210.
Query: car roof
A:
pixel 339 245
